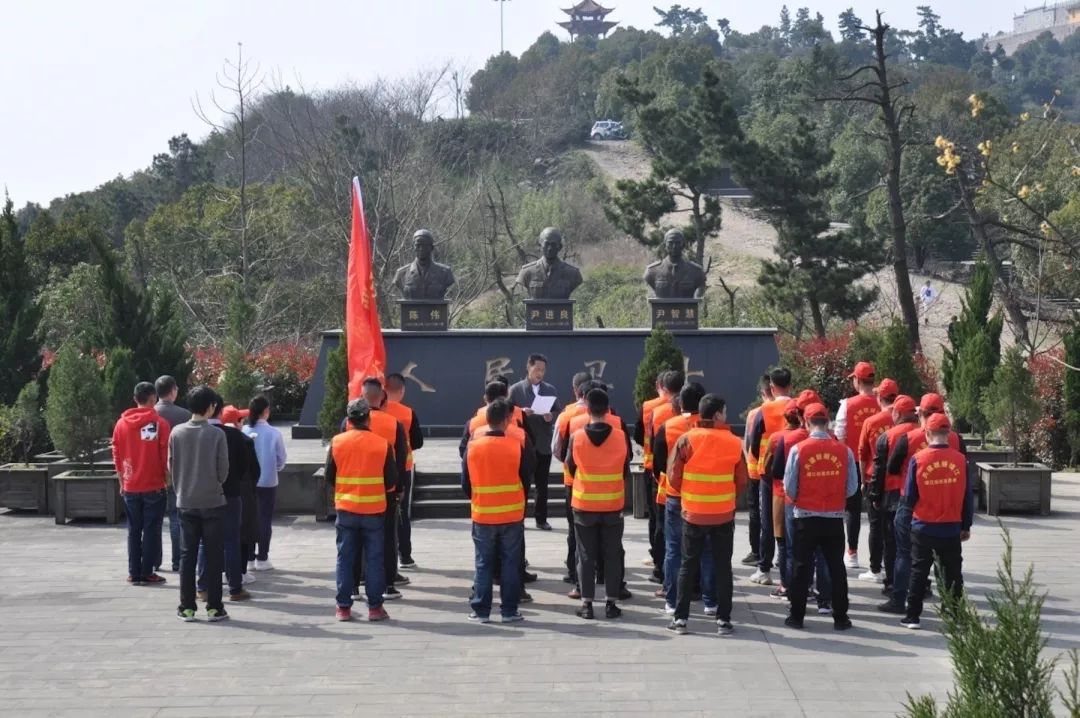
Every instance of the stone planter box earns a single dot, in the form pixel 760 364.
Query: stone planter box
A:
pixel 59 467
pixel 25 487
pixel 1019 487
pixel 976 456
pixel 87 494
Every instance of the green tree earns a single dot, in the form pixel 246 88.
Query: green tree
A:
pixel 850 26
pixel 972 374
pixel 20 312
pixel 661 354
pixel 336 390
pixel 26 424
pixel 239 383
pixel 681 20
pixel 895 360
pixel 1011 404
pixel 1071 340
pixel 816 266
pixel 120 379
pixel 77 411
pixel 974 318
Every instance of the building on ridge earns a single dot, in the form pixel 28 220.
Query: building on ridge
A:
pixel 587 20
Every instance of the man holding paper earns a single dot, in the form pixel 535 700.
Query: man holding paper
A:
pixel 540 403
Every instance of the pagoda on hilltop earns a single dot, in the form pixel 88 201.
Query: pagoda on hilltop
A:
pixel 587 20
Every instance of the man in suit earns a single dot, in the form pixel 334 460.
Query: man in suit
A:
pixel 522 394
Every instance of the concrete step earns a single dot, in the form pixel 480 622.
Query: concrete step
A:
pixel 437 495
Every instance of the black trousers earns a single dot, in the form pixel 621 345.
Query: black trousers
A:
pixel 540 479
pixel 754 507
pixel 924 549
pixel 888 539
pixel 599 535
pixel 390 553
pixel 877 536
pixel 656 526
pixel 853 520
pixel 208 526
pixel 571 538
pixel 693 545
pixel 810 534
pixel 404 532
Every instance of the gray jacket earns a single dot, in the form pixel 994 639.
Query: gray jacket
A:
pixel 172 414
pixel 199 464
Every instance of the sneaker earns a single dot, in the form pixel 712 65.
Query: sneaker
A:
pixel 240 595
pixel 153 579
pixel 910 623
pixel 214 615
pixel 660 593
pixel 762 578
pixel 624 593
pixel 586 612
pixel 892 607
pixel 678 626
pixel 710 611
pixel 200 595
pixel 513 618
pixel 647 562
pixel 251 566
pixel 263 565
pixel 391 594
pixel 872 576
pixel 408 564
pixel 187 615
pixel 611 610
pixel 400 580
pixel 779 592
pixel 343 613
pixel 724 628
pixel 477 618
pixel 134 581
pixel 525 597
pixel 842 624
pixel 669 610
pixel 886 590
pixel 824 608
pixel 528 577
pixel 248 578
pixel 750 559
pixel 793 623
pixel 575 594
pixel 851 560
pixel 543 525
pixel 378 614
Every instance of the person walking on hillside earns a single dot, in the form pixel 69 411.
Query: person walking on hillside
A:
pixel 524 394
pixel 199 466
pixel 270 450
pixel 167 390
pixel 140 448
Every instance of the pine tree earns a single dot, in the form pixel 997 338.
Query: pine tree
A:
pixel 77 414
pixel 20 313
pixel 1072 392
pixel 972 375
pixel 336 390
pixel 120 379
pixel 1010 403
pixel 974 317
pixel 238 382
pixel 816 266
pixel 26 422
pixel 895 360
pixel 850 26
pixel 661 354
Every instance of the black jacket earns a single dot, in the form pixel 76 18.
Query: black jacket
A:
pixel 243 463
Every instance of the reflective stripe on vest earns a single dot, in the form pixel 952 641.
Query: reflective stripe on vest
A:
pixel 497 494
pixel 647 409
pixel 823 474
pixel 577 423
pixel 598 483
pixel 773 413
pixel 360 458
pixel 708 480
pixel 569 413
pixel 674 428
pixel 660 416
pixel 404 415
pixel 752 464
pixel 385 425
pixel 940 475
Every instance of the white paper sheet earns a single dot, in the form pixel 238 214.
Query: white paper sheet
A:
pixel 542 404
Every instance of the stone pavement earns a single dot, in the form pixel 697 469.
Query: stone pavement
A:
pixel 75 640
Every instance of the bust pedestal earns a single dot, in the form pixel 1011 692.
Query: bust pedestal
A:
pixel 549 314
pixel 424 315
pixel 677 313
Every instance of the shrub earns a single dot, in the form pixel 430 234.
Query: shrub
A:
pixel 820 364
pixel 1045 440
pixel 238 382
pixel 971 378
pixel 895 360
pixel 661 354
pixel 1010 402
pixel 286 370
pixel 336 388
pixel 120 379
pixel 614 294
pixel 77 414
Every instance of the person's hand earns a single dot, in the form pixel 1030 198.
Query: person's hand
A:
pixel 527 412
pixel 547 417
pixel 965 535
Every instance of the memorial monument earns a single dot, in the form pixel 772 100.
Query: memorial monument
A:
pixel 676 284
pixel 423 284
pixel 549 282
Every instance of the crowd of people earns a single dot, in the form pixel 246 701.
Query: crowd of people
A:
pixel 806 477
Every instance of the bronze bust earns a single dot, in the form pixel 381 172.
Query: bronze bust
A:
pixel 549 277
pixel 674 277
pixel 424 278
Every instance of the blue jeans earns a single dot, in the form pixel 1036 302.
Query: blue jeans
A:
pixel 174 531
pixel 902 570
pixel 673 530
pixel 504 543
pixel 145 512
pixel 352 531
pixel 231 538
pixel 820 571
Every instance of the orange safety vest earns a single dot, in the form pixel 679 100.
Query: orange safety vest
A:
pixel 773 411
pixel 874 427
pixel 576 423
pixel 478 426
pixel 647 408
pixel 660 416
pixel 598 483
pixel 790 437
pixel 860 409
pixel 708 480
pixel 674 428
pixel 940 474
pixel 894 482
pixel 752 464
pixel 518 417
pixel 823 473
pixel 497 494
pixel 660 413
pixel 360 458
pixel 916 442
pixel 404 415
pixel 384 425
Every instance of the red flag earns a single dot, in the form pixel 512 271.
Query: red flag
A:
pixel 367 354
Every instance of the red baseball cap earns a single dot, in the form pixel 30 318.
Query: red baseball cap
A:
pixel 231 415
pixel 904 405
pixel 816 411
pixel 932 404
pixel 938 422
pixel 888 389
pixel 791 408
pixel 806 398
pixel 864 371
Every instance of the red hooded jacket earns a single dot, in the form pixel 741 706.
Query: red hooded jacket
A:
pixel 141 449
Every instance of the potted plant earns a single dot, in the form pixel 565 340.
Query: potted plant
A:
pixel 1009 405
pixel 77 417
pixel 24 484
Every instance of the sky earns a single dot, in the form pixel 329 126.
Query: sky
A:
pixel 94 89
